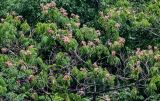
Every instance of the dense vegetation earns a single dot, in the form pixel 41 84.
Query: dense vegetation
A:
pixel 80 50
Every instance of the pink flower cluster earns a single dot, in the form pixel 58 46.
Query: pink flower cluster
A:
pixel 113 53
pixel 67 38
pixel 4 50
pixel 67 77
pixel 140 52
pixel 63 11
pixel 106 17
pixel 27 52
pixel 91 43
pixel 50 31
pixel 74 16
pixel 121 40
pixel 46 7
pixel 9 63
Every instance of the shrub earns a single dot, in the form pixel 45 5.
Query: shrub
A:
pixel 60 58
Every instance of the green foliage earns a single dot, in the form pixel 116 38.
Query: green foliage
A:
pixel 85 8
pixel 25 27
pixel 87 34
pixel 7 34
pixel 43 28
pixel 30 9
pixel 51 53
pixel 62 59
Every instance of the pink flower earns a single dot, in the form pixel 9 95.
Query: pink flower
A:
pixel 45 11
pixel 83 43
pixel 98 32
pixel 28 53
pixel 62 10
pixel 138 49
pixel 4 50
pixel 68 24
pixel 121 40
pixel 31 78
pixel 50 31
pixel 97 40
pixel 9 64
pixel 101 13
pixel 67 77
pixel 77 24
pixel 2 20
pixel 13 13
pixel 109 43
pixel 117 25
pixel 21 62
pixel 90 43
pixel 65 14
pixel 110 15
pixel 106 17
pixel 149 47
pixel 31 46
pixel 83 69
pixel 155 48
pixel 96 69
pixel 70 35
pixel 77 16
pixel 66 39
pixel 138 52
pixel 73 15
pixel 138 63
pixel 113 53
pixel 45 8
pixel 81 92
pixel 118 12
pixel 20 17
pixel 150 52
pixel 157 57
pixel 95 65
pixel 107 98
pixel 52 4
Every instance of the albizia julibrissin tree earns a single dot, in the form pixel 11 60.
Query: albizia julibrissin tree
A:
pixel 59 59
